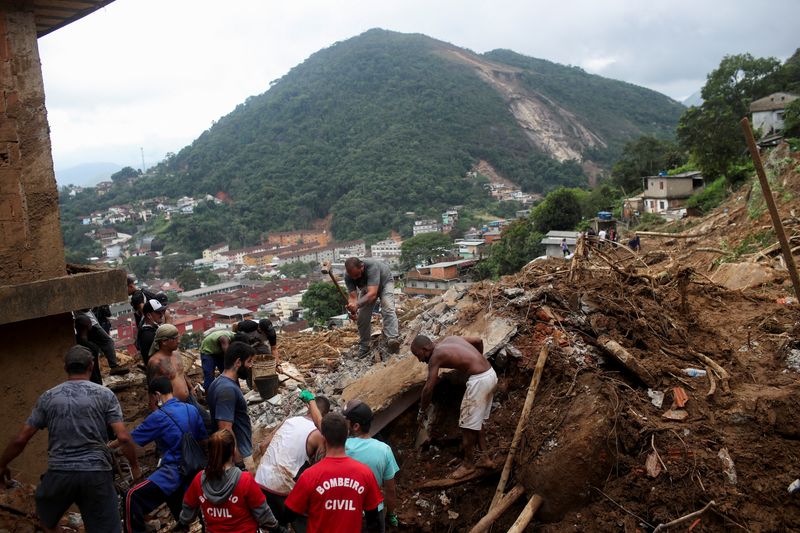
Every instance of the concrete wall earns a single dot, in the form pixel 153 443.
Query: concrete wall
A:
pixel 31 247
pixel 33 361
pixel 673 188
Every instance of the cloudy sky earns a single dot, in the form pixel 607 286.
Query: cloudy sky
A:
pixel 154 74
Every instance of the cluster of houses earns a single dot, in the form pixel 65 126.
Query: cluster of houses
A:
pixel 141 211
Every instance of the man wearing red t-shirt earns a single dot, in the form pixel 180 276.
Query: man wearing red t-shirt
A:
pixel 335 491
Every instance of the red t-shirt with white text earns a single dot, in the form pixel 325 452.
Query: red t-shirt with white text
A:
pixel 333 493
pixel 232 515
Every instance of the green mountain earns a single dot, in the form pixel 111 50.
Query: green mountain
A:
pixel 385 123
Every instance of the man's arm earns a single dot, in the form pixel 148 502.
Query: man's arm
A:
pixel 14 448
pixel 369 296
pixel 352 302
pixel 222 424
pixel 477 342
pixel 224 342
pixel 390 495
pixel 430 383
pixel 128 449
pixel 315 447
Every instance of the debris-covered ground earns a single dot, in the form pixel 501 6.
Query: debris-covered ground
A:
pixel 671 381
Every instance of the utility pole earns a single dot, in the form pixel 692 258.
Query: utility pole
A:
pixel 141 149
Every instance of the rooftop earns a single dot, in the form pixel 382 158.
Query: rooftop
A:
pixel 51 15
pixel 772 102
pixel 230 312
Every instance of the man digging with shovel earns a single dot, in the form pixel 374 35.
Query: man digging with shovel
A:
pixel 464 354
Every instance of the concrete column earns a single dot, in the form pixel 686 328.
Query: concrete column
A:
pixel 31 246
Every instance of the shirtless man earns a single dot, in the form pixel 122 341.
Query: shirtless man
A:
pixel 165 360
pixel 464 354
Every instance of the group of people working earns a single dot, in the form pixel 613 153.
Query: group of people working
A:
pixel 319 472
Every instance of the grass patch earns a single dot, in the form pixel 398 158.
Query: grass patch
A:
pixel 710 197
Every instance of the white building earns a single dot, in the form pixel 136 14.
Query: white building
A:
pixel 665 193
pixel 426 226
pixel 768 112
pixel 387 251
pixel 552 242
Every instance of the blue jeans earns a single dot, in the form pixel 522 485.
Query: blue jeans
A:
pixel 209 362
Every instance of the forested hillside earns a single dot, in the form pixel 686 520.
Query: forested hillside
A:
pixel 386 123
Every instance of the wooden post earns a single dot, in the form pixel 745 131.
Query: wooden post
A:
pixel 523 419
pixel 526 515
pixel 495 512
pixel 773 209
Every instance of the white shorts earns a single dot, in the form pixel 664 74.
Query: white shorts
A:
pixel 477 402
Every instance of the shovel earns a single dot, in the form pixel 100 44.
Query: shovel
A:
pixel 423 433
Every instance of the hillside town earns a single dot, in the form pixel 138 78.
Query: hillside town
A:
pixel 409 288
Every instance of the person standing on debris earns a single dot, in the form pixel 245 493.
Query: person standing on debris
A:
pixel 466 355
pixel 102 339
pixel 337 491
pixel 83 326
pixel 293 446
pixel 76 414
pixel 366 281
pixel 564 247
pixel 375 454
pixel 212 353
pixel 138 298
pixel 166 426
pixel 228 498
pixel 153 317
pixel 635 244
pixel 226 401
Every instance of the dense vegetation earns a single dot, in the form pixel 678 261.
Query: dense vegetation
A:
pixel 382 124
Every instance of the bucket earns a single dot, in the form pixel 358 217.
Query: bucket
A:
pixel 264 368
pixel 267 386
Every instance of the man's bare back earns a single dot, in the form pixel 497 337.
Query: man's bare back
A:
pixel 460 353
pixel 170 366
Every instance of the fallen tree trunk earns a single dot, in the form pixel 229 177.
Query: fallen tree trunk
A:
pixel 448 482
pixel 672 235
pixel 615 350
pixel 523 419
pixel 495 512
pixel 526 515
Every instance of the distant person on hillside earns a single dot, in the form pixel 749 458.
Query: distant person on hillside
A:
pixel 564 247
pixel 635 244
pixel 466 355
pixel 367 280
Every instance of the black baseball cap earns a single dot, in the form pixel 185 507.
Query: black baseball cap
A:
pixel 78 357
pixel 357 411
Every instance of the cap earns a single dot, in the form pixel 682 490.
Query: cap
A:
pixel 162 298
pixel 358 411
pixel 78 356
pixel 247 326
pixel 153 306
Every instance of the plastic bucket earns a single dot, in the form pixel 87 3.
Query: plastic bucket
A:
pixel 267 386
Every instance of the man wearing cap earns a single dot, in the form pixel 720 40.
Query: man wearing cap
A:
pixel 212 353
pixel 375 454
pixel 153 317
pixel 76 414
pixel 138 298
pixel 367 280
pixel 294 445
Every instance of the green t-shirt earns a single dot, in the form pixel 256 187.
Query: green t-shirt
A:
pixel 210 344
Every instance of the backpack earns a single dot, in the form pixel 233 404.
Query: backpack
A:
pixel 193 458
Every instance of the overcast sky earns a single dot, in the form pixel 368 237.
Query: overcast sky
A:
pixel 154 74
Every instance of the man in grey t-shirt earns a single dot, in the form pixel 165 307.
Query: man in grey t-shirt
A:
pixel 366 281
pixel 76 414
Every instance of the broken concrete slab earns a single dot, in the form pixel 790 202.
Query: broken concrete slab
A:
pixel 736 276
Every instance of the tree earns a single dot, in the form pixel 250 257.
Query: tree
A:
pixel 645 156
pixel 125 174
pixel 424 249
pixel 298 269
pixel 205 275
pixel 711 132
pixel 141 265
pixel 791 119
pixel 322 301
pixel 172 265
pixel 188 280
pixel 519 245
pixel 560 210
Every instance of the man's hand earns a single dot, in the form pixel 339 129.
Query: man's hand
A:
pixel 352 308
pixel 136 472
pixel 306 396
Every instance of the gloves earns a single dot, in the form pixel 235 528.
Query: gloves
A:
pixel 393 520
pixel 306 396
